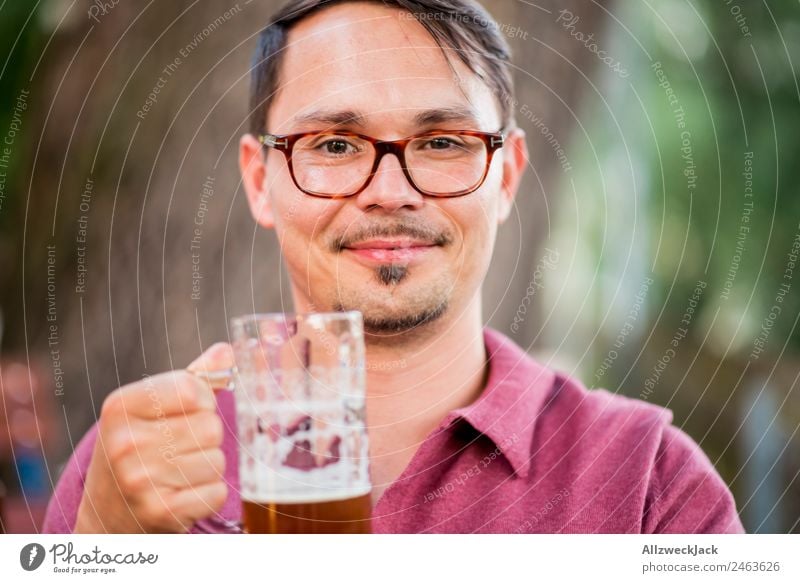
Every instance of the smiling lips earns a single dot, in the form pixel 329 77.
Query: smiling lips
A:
pixel 391 250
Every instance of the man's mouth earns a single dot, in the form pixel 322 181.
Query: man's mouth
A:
pixel 394 250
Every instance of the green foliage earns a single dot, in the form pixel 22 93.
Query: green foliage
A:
pixel 20 44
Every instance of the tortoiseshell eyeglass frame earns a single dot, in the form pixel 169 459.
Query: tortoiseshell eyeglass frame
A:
pixel 285 143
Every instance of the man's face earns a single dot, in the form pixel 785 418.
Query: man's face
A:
pixel 403 259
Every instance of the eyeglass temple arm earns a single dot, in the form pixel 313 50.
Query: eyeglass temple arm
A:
pixel 273 141
pixel 499 140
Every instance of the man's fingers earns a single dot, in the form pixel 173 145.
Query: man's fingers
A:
pixel 193 504
pixel 177 510
pixel 143 442
pixel 172 471
pixel 159 396
pixel 203 430
pixel 194 469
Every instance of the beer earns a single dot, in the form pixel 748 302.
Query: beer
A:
pixel 347 516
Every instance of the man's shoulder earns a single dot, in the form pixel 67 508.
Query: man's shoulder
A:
pixel 634 428
pixel 564 408
pixel 602 410
pixel 624 438
pixel 567 393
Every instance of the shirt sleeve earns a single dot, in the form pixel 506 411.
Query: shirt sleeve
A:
pixel 686 494
pixel 62 510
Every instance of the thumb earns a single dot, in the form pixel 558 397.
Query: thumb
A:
pixel 214 365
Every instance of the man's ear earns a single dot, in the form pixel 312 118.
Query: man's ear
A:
pixel 515 161
pixel 252 165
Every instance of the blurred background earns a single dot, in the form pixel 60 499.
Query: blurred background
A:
pixel 653 249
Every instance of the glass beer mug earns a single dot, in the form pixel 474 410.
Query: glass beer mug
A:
pixel 299 386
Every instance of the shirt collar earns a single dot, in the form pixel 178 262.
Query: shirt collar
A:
pixel 516 391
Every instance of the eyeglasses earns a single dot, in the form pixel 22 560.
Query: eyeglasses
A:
pixel 340 164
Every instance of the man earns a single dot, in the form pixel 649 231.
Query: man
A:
pixel 467 433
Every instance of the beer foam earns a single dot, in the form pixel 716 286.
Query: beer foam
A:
pixel 342 480
pixel 308 497
pixel 265 476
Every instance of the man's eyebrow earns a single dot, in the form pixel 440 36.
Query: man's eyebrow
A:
pixel 331 118
pixel 457 113
pixel 334 118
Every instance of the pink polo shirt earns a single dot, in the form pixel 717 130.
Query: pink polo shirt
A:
pixel 536 453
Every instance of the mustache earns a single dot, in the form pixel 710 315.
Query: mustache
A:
pixel 413 230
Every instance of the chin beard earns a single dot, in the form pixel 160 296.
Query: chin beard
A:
pixel 391 274
pixel 399 324
pixel 390 324
pixel 386 325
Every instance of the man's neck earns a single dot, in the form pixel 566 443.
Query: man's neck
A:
pixel 412 386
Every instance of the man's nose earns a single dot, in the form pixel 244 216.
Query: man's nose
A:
pixel 389 188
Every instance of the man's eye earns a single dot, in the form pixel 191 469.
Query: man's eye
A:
pixel 441 143
pixel 445 144
pixel 337 147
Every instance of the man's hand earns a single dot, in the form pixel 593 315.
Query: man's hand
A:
pixel 157 464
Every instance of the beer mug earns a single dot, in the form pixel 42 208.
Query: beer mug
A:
pixel 300 393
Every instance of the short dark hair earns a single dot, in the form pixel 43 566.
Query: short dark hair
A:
pixel 460 25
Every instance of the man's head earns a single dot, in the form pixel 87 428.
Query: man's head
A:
pixel 387 70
